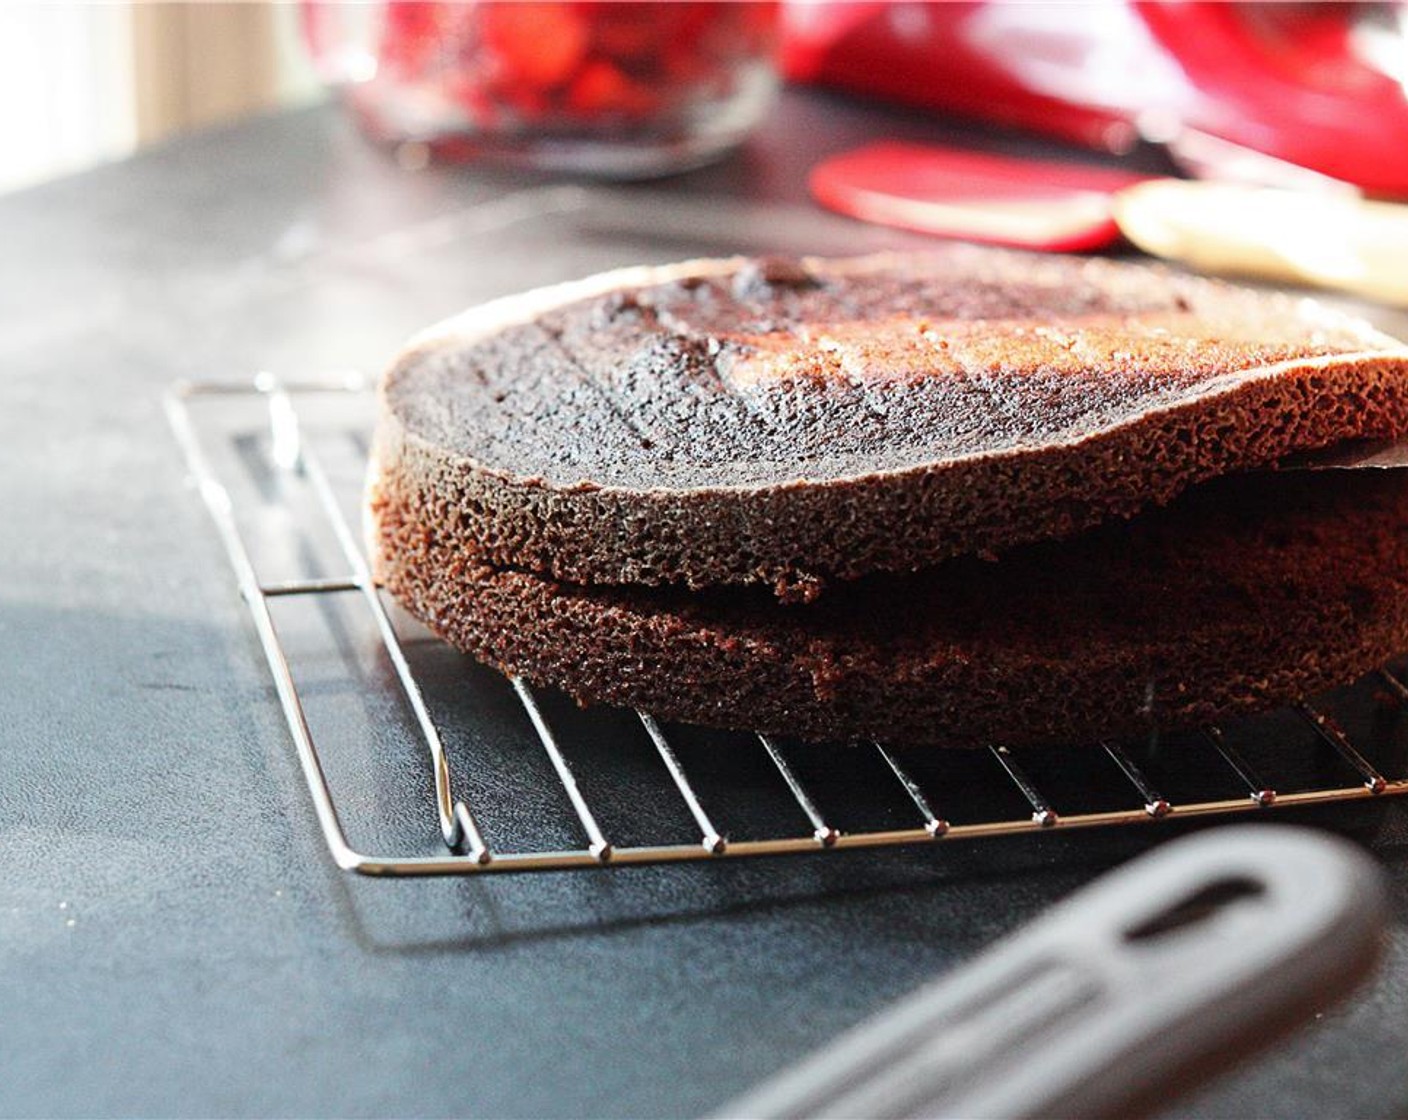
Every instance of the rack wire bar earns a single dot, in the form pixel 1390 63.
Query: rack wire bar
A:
pixel 1154 804
pixel 287 446
pixel 714 842
pixel 1262 795
pixel 1395 685
pixel 825 835
pixel 457 824
pixel 1042 812
pixel 934 824
pixel 599 847
pixel 308 586
pixel 217 500
pixel 1330 731
pixel 467 851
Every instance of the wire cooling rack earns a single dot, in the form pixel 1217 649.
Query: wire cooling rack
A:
pixel 260 462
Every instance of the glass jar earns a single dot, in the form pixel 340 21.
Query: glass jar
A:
pixel 620 90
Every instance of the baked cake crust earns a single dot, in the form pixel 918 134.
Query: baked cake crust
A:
pixel 793 424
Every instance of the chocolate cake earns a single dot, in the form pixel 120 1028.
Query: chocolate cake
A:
pixel 1244 593
pixel 954 498
pixel 798 423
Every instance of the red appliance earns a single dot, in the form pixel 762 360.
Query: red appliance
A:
pixel 1236 90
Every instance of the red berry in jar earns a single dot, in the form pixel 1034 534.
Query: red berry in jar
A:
pixel 601 91
pixel 537 45
pixel 619 89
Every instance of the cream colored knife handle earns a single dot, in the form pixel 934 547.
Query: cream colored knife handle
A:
pixel 1187 956
pixel 1323 239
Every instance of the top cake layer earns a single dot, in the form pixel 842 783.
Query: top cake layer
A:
pixel 792 422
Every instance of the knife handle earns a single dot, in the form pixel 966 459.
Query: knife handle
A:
pixel 1112 1000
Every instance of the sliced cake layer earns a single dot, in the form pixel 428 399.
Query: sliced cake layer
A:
pixel 797 423
pixel 1242 594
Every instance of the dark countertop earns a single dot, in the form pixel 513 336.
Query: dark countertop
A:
pixel 173 937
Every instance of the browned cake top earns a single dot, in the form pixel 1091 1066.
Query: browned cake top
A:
pixel 745 374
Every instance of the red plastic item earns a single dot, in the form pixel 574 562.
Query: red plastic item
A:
pixel 1312 85
pixel 977 196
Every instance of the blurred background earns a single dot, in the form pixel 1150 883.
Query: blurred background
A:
pixel 1306 98
pixel 1314 85
pixel 82 83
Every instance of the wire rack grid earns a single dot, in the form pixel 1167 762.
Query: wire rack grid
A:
pixel 465 849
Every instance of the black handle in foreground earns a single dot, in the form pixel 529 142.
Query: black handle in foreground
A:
pixel 1118 997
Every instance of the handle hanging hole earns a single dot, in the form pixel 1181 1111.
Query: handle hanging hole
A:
pixel 1196 908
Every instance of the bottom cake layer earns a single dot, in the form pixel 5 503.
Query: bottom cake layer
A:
pixel 1244 594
